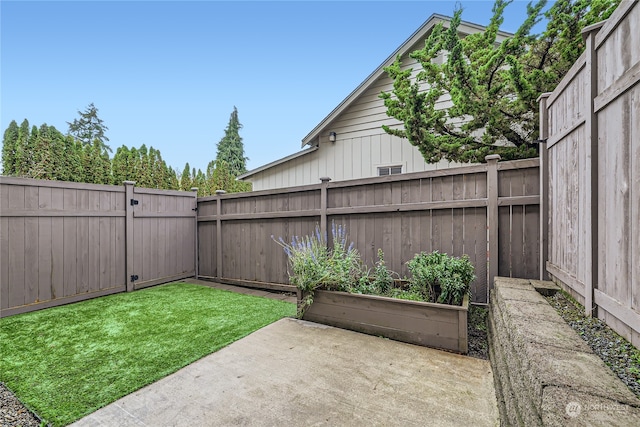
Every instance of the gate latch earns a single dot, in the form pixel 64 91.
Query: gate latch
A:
pixel 134 202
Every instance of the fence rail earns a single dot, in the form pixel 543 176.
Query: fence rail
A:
pixel 453 211
pixel 592 161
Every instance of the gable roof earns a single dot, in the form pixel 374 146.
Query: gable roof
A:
pixel 420 34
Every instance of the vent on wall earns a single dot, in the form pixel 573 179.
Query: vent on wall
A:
pixel 389 170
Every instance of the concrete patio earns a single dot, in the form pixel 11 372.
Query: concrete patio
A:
pixel 298 373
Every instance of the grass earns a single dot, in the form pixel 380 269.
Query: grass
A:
pixel 66 362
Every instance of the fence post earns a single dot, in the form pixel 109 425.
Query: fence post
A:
pixel 544 184
pixel 323 205
pixel 219 193
pixel 195 208
pixel 128 232
pixel 591 125
pixel 492 217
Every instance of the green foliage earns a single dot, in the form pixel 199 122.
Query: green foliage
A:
pixel 89 127
pixel 380 282
pixel 493 86
pixel 185 178
pixel 45 153
pixel 9 145
pixel 230 147
pixel 145 167
pixel 441 278
pixel 314 265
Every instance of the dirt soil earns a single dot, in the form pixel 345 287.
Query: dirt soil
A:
pixel 477 332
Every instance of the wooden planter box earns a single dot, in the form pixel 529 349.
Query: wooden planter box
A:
pixel 432 325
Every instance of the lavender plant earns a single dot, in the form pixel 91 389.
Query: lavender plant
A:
pixel 314 265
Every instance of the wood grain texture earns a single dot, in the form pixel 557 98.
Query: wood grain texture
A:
pixel 593 180
pixel 64 242
pixel 433 325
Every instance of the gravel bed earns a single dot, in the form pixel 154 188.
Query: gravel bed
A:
pixel 477 332
pixel 13 413
pixel 616 352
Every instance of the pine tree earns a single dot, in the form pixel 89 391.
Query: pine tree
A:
pixel 493 86
pixel 231 148
pixel 9 146
pixel 89 127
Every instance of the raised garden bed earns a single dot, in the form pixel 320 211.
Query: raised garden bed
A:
pixel 440 326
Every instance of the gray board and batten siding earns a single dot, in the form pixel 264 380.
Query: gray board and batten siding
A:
pixel 591 123
pixel 62 242
pixel 454 211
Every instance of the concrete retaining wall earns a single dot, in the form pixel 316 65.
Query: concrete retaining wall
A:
pixel 545 374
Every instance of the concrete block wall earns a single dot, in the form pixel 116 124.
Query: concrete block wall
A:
pixel 545 374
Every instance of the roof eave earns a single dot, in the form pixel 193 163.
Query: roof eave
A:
pixel 431 22
pixel 276 163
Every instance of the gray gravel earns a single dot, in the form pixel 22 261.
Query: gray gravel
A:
pixel 13 413
pixel 616 352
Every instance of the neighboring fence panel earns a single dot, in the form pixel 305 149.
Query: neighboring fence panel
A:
pixel 519 219
pixel 247 221
pixel 62 242
pixel 594 173
pixel 402 215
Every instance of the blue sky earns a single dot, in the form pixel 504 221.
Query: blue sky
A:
pixel 168 74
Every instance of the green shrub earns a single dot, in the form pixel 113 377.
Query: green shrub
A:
pixel 436 277
pixel 441 278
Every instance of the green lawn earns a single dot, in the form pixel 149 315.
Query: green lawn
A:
pixel 69 361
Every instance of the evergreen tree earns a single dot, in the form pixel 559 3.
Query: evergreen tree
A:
pixel 59 165
pixel 200 181
pixel 185 178
pixel 122 166
pixel 220 177
pixel 89 127
pixel 22 154
pixel 28 154
pixel 72 160
pixel 9 146
pixel 493 86
pixel 231 148
pixel 42 165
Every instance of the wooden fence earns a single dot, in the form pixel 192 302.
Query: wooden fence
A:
pixel 591 123
pixel 62 242
pixel 489 212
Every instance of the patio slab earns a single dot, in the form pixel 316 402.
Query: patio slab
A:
pixel 294 372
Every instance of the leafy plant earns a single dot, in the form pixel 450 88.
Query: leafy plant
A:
pixel 382 277
pixel 313 265
pixel 441 278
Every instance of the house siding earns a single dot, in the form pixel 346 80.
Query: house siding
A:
pixel 361 143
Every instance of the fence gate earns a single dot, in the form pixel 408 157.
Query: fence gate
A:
pixel 161 238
